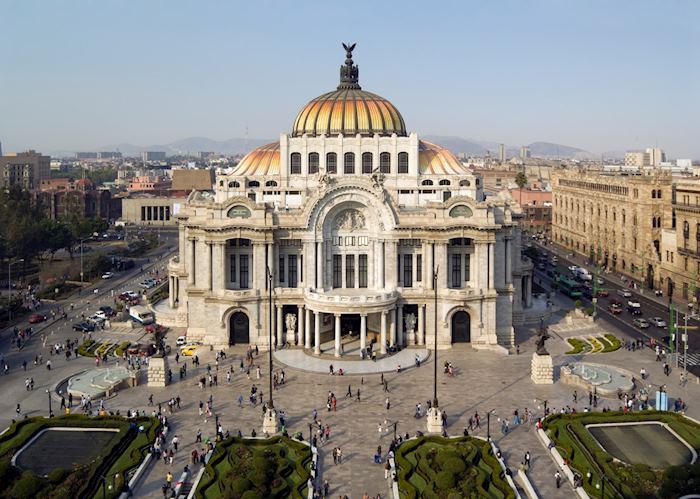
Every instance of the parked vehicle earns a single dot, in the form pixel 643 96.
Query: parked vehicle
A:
pixel 181 340
pixel 84 327
pixel 109 311
pixel 36 318
pixel 96 319
pixel 141 314
pixel 640 323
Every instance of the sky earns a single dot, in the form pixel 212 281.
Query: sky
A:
pixel 599 75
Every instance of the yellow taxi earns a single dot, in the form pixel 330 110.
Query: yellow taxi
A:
pixel 188 350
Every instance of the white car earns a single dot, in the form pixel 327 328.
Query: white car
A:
pixel 131 294
pixel 181 341
pixel 96 319
pixel 624 293
pixel 101 315
pixel 600 281
pixel 658 321
pixel 107 275
pixel 573 268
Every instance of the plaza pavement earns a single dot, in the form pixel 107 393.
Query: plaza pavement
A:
pixel 483 381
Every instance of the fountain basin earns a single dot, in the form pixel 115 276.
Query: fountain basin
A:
pixel 100 382
pixel 606 380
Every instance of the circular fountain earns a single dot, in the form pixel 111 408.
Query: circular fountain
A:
pixel 606 380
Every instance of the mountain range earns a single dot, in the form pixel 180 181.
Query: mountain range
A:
pixel 457 145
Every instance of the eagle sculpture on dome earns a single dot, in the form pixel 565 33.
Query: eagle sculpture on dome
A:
pixel 348 49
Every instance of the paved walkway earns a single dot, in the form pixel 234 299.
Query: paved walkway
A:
pixel 300 359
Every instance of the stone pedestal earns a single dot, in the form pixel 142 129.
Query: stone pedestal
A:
pixel 291 337
pixel 269 426
pixel 434 420
pixel 542 369
pixel 158 371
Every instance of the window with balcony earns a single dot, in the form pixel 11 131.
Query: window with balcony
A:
pixel 407 271
pixel 337 271
pixel 292 280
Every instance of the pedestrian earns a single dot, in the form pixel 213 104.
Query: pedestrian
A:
pixel 387 404
pixel 358 395
pixel 326 488
pixel 387 469
pixel 557 479
pixel 527 460
pixel 349 393
pixel 175 442
pixel 575 396
pixel 198 436
pixel 339 454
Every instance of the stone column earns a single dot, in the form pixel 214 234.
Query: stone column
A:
pixel 337 335
pixel 280 326
pixel 223 278
pixel 479 266
pixel 428 258
pixel 399 326
pixel 392 328
pixel 307 328
pixel 171 291
pixel 528 291
pixel 509 263
pixel 381 283
pixel 207 273
pixel 382 347
pixel 258 266
pixel 317 333
pixel 492 266
pixel 310 263
pixel 319 265
pixel 441 262
pixel 191 261
pixel 391 265
pixel 421 324
pixel 300 325
pixel 363 332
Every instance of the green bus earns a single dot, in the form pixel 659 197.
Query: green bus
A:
pixel 569 287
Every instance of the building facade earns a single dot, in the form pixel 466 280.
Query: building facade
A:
pixel 152 207
pixel 349 227
pixel 680 255
pixel 24 169
pixel 615 220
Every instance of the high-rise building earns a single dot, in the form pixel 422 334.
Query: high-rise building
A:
pixel 26 169
pixel 109 155
pixel 86 155
pixel 152 156
pixel 502 153
pixel 653 156
pixel 524 152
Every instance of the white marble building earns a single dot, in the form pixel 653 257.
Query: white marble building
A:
pixel 352 215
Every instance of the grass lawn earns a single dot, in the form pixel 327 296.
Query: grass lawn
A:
pixel 449 468
pixel 277 467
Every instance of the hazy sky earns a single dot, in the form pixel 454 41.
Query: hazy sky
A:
pixel 601 75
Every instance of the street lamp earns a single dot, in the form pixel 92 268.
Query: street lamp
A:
pixel 269 287
pixel 488 424
pixel 310 434
pixel 544 403
pixel 94 234
pixel 435 321
pixel 9 287
pixel 396 423
pixel 48 392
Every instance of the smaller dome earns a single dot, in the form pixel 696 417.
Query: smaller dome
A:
pixel 436 160
pixel 263 160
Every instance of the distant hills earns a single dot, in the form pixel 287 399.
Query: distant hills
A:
pixel 457 145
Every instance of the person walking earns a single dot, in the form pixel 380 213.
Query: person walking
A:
pixel 557 479
pixel 387 403
pixel 349 393
pixel 527 460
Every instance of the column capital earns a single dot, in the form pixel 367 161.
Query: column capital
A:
pixel 363 315
pixel 337 316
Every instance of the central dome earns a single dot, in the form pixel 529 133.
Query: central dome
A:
pixel 349 110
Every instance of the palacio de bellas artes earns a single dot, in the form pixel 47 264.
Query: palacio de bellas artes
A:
pixel 359 232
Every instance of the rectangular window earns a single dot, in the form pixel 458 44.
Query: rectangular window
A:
pixel 337 271
pixel 408 271
pixel 143 213
pixel 281 269
pixel 232 267
pixel 167 212
pixel 244 272
pixel 292 269
pixel 362 269
pixel 456 271
pixel 466 268
pixel 419 268
pixel 301 268
pixel 349 271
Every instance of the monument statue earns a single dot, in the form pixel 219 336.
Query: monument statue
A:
pixel 542 337
pixel 410 322
pixel 291 322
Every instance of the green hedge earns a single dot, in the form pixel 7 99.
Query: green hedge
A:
pixel 615 343
pixel 578 346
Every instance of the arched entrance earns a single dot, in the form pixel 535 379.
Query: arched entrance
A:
pixel 461 326
pixel 239 329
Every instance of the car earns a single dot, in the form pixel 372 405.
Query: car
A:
pixel 107 275
pixel 100 314
pixel 658 321
pixel 181 341
pixel 603 293
pixel 615 307
pixel 634 310
pixel 84 327
pixel 97 319
pixel 36 318
pixel 572 268
pixel 555 259
pixel 624 293
pixel 188 351
pixel 640 323
pixel 599 281
pixel 109 311
pixel 131 294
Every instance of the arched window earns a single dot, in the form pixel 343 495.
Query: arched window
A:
pixel 295 164
pixel 385 162
pixel 349 163
pixel 686 230
pixel 624 217
pixel 464 183
pixel 253 183
pixel 653 194
pixel 331 162
pixel 366 162
pixel 658 194
pixel 444 182
pixel 313 162
pixel 221 183
pixel 403 162
pixel 427 182
pixel 234 185
pixel 270 183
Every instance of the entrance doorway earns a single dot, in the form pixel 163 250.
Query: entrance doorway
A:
pixel 350 324
pixel 239 329
pixel 461 326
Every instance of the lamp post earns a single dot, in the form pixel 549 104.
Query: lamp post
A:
pixel 81 258
pixel 310 434
pixel 48 393
pixel 396 423
pixel 271 404
pixel 9 287
pixel 435 320
pixel 488 424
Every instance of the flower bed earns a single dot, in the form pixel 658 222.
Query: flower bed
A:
pixel 121 455
pixel 598 344
pixel 437 467
pixel 277 467
pixel 575 443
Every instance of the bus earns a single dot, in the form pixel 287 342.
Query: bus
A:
pixel 569 287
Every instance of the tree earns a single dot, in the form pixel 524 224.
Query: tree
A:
pixel 55 236
pixel 521 181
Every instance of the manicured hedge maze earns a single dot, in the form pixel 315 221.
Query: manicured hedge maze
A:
pixel 449 468
pixel 575 442
pixel 276 468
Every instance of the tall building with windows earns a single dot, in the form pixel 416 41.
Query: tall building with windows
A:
pixel 355 226
pixel 613 219
pixel 24 169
